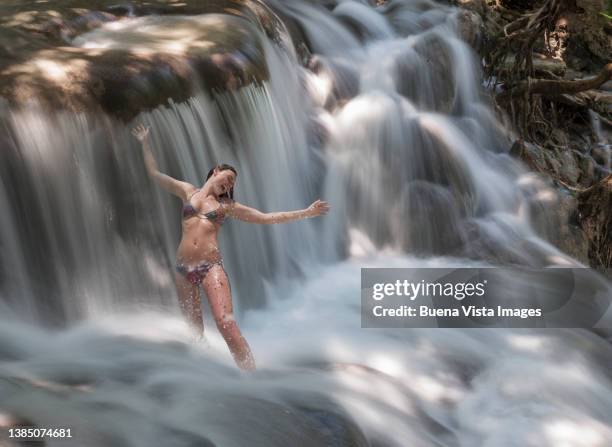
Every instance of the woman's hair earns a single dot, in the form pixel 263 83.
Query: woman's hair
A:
pixel 224 167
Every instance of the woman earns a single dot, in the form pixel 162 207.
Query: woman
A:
pixel 198 257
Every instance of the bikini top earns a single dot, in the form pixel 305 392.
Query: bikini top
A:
pixel 190 210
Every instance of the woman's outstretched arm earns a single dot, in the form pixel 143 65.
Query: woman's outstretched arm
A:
pixel 170 184
pixel 252 215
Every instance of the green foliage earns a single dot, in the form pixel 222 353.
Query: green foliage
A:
pixel 608 11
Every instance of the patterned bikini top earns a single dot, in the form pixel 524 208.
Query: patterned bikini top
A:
pixel 189 210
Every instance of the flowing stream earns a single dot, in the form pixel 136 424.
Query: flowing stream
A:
pixel 389 123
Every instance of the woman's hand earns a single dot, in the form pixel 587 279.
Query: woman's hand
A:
pixel 141 132
pixel 317 208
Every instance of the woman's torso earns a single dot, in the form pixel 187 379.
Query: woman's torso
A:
pixel 201 220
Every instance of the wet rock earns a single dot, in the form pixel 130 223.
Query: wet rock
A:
pixel 356 17
pixel 552 213
pixel 427 220
pixel 554 217
pixel 470 28
pixel 342 80
pixel 602 154
pixel 568 170
pixel 588 169
pixel 42 59
pixel 589 45
pixel 565 165
pixel 336 428
pixel 8 421
pixel 318 131
pixel 484 244
pixel 478 6
pixel 581 224
pixel 534 157
pixel 429 62
pixel 304 420
pixel 595 213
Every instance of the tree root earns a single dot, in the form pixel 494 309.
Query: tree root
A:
pixel 518 38
pixel 552 87
pixel 596 220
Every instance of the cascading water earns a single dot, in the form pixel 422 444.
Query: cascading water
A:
pixel 388 123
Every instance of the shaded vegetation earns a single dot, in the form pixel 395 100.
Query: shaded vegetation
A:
pixel 520 60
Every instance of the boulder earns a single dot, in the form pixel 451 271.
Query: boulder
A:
pixel 554 217
pixel 602 154
pixel 428 61
pixel 478 6
pixel 80 55
pixel 342 78
pixel 426 220
pixel 589 43
pixel 535 157
pixel 569 169
pixel 470 28
pixel 565 165
pixel 588 169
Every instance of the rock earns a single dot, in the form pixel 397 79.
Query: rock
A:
pixel 9 421
pixel 589 46
pixel 588 169
pixel 554 217
pixel 334 427
pixel 477 6
pixel 426 220
pixel 470 28
pixel 565 232
pixel 341 78
pixel 560 164
pixel 535 157
pixel 44 57
pixel 429 60
pixel 568 169
pixel 580 226
pixel 602 153
pixel 595 214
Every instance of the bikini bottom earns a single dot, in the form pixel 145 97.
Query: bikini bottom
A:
pixel 195 275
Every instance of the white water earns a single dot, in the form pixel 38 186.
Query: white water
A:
pixel 409 166
pixel 134 377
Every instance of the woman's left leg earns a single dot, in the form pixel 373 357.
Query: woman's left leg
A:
pixel 216 286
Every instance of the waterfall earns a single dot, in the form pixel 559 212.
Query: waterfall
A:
pixel 388 122
pixel 97 211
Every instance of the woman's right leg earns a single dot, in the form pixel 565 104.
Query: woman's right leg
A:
pixel 189 302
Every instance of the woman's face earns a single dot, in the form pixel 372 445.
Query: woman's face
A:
pixel 223 181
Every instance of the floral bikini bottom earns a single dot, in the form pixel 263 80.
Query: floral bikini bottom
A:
pixel 196 275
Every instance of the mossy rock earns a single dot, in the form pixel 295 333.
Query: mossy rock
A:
pixel 185 45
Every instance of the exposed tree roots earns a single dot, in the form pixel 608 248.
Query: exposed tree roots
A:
pixel 538 105
pixel 596 215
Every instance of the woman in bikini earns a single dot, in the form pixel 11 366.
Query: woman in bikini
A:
pixel 198 258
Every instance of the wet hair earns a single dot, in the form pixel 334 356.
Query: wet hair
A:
pixel 224 167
